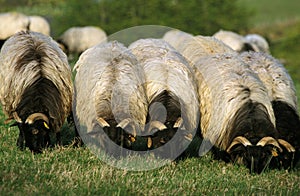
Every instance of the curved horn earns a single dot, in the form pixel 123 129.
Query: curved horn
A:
pixel 102 122
pixel 36 116
pixel 16 117
pixel 157 124
pixel 125 123
pixel 268 140
pixel 287 145
pixel 239 140
pixel 178 123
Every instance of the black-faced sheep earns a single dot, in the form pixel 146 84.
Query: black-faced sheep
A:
pixel 110 96
pixel 236 112
pixel 36 87
pixel 171 91
pixel 282 93
pixel 75 40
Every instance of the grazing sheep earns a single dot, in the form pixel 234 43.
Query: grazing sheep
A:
pixel 258 43
pixel 11 23
pixel 39 24
pixel 75 40
pixel 233 40
pixel 36 87
pixel 236 112
pixel 110 95
pixel 176 37
pixel 282 92
pixel 171 91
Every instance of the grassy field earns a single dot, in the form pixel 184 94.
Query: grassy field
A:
pixel 77 171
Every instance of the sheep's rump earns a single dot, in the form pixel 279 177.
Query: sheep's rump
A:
pixel 109 85
pixel 226 84
pixel 35 77
pixel 169 80
pixel 281 91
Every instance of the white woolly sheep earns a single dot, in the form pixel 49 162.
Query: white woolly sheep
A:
pixel 232 39
pixel 75 40
pixel 110 95
pixel 36 87
pixel 236 112
pixel 39 24
pixel 235 109
pixel 170 88
pixel 11 23
pixel 282 93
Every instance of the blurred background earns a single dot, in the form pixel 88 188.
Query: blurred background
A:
pixel 278 21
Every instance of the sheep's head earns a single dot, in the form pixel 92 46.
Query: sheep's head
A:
pixel 35 131
pixel 255 157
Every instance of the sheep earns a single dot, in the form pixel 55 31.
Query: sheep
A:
pixel 36 87
pixel 39 24
pixel 236 111
pixel 282 93
pixel 234 40
pixel 109 95
pixel 176 37
pixel 11 23
pixel 258 43
pixel 75 40
pixel 171 91
pixel 249 42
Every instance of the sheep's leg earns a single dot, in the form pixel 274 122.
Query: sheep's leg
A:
pixel 20 140
pixel 58 139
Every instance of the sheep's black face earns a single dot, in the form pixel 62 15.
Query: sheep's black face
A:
pixel 36 135
pixel 256 158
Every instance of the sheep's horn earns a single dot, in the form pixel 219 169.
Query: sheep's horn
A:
pixel 178 123
pixel 268 140
pixel 157 124
pixel 36 116
pixel 239 140
pixel 16 117
pixel 126 122
pixel 102 122
pixel 287 145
